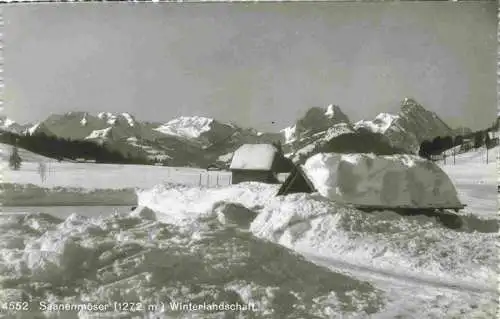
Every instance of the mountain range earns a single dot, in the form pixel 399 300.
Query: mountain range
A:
pixel 200 141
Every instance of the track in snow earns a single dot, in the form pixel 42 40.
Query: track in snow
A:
pixel 379 275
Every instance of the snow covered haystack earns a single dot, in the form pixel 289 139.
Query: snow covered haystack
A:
pixel 385 181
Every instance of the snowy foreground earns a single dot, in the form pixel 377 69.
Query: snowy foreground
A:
pixel 298 256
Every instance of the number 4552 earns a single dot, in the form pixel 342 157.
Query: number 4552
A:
pixel 15 306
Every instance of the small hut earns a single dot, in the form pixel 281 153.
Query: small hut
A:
pixel 258 163
pixel 296 182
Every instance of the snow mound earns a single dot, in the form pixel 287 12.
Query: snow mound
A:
pixel 143 212
pixel 234 214
pixel 386 181
pixel 184 206
pixel 412 246
pixel 119 258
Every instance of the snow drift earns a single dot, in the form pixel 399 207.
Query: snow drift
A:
pixel 128 259
pixel 185 206
pixel 419 246
pixel 314 223
pixel 384 181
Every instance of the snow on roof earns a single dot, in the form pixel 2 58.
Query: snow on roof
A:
pixel 254 157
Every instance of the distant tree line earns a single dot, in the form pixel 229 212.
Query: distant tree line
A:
pixel 61 148
pixel 475 140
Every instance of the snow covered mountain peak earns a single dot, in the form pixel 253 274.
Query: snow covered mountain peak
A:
pixel 332 111
pixel 83 121
pixel 32 130
pixel 289 133
pixel 380 124
pixel 411 105
pixel 315 120
pixel 5 122
pixel 130 119
pixel 110 118
pixel 113 119
pixel 410 127
pixel 187 126
pixel 9 125
pixel 330 115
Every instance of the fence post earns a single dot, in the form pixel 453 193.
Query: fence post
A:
pixel 199 184
pixel 217 180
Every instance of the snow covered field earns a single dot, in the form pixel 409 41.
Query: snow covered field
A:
pixel 110 176
pixel 103 176
pixel 476 181
pixel 103 184
pixel 194 244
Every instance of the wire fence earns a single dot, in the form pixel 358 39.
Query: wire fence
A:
pixel 108 176
pixel 203 179
pixel 480 155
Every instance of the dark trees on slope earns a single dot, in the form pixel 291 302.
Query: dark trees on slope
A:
pixel 435 147
pixel 459 140
pixel 425 150
pixel 478 139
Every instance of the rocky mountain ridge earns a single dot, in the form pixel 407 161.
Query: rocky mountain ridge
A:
pixel 199 141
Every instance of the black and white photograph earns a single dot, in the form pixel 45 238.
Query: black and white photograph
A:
pixel 249 160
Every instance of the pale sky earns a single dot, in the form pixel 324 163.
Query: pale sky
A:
pixel 252 64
